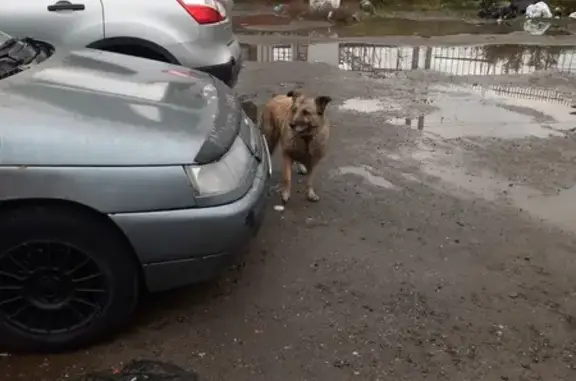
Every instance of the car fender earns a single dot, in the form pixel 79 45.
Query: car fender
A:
pixel 160 35
pixel 80 37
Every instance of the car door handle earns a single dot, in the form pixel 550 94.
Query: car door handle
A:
pixel 65 6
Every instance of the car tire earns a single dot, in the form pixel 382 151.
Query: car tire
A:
pixel 67 278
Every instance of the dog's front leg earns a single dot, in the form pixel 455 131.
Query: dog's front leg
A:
pixel 287 178
pixel 310 192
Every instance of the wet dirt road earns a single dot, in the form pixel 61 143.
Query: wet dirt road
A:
pixel 443 247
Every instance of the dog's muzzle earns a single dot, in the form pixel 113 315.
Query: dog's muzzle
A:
pixel 298 128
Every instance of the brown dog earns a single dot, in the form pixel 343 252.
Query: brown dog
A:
pixel 298 122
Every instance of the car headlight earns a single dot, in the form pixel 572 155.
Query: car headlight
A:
pixel 222 176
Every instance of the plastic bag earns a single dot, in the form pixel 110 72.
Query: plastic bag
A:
pixel 539 10
pixel 318 5
pixel 536 28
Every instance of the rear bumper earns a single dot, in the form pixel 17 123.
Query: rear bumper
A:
pixel 182 247
pixel 227 73
pixel 223 61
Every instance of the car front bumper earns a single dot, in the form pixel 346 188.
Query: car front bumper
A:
pixel 182 247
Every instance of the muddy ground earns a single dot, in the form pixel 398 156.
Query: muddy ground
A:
pixel 443 247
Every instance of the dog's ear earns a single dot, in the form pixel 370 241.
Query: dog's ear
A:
pixel 294 94
pixel 321 103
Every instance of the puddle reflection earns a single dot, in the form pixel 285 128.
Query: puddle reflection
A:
pixel 453 60
pixel 267 24
pixel 472 111
pixel 497 112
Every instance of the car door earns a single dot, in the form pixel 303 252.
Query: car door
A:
pixel 70 23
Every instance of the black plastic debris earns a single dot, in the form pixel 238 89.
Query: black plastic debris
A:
pixel 143 370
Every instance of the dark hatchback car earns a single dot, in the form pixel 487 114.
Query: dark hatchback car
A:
pixel 119 175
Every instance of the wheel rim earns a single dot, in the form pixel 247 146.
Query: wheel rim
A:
pixel 50 287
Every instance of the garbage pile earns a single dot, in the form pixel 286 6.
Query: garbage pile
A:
pixel 330 10
pixel 330 5
pixel 531 9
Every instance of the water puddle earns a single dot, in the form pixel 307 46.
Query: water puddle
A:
pixel 557 208
pixel 368 105
pixel 342 26
pixel 366 173
pixel 271 23
pixel 471 111
pixel 498 112
pixel 505 112
pixel 264 19
pixel 451 60
pixel 432 28
pixel 468 111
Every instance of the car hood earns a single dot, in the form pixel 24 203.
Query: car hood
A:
pixel 95 108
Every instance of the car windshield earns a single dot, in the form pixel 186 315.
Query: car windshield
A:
pixel 20 54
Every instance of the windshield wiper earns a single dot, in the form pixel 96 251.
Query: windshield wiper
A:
pixel 18 54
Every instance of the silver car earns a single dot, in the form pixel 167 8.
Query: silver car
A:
pixel 192 33
pixel 119 175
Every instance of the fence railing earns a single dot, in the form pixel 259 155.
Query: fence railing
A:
pixel 456 60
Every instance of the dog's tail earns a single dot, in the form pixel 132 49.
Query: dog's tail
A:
pixel 269 129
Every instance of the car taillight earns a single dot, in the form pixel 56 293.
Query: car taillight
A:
pixel 204 11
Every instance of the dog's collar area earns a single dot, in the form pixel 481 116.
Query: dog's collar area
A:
pixel 307 139
pixel 305 135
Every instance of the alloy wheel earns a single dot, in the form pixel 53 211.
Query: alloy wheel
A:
pixel 50 287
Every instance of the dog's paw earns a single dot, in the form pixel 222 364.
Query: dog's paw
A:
pixel 301 169
pixel 312 196
pixel 285 196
